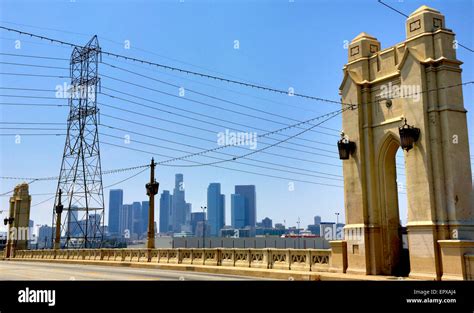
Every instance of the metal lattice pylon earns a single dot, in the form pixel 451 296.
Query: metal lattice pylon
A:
pixel 80 178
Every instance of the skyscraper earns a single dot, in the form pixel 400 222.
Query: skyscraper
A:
pixel 237 208
pixel 215 208
pixel 165 211
pixel 144 220
pixel 179 206
pixel 115 205
pixel 250 195
pixel 125 219
pixel 44 236
pixel 137 218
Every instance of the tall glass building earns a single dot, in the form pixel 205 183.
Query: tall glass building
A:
pixel 125 220
pixel 137 218
pixel 115 205
pixel 179 206
pixel 165 211
pixel 250 195
pixel 215 208
pixel 237 208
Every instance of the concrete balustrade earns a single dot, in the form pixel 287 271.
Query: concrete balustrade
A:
pixel 300 260
pixel 280 259
pixel 212 257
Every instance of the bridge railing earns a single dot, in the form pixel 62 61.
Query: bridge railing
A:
pixel 278 259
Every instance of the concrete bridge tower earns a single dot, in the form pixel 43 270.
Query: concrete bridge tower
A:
pixel 411 81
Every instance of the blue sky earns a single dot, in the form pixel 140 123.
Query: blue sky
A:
pixel 282 44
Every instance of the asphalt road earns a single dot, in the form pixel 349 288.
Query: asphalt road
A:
pixel 14 270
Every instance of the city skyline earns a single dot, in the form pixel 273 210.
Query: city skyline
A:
pixel 133 215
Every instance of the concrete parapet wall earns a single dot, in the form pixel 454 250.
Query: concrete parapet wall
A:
pixel 277 259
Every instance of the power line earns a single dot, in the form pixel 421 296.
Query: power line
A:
pixel 33 104
pixel 36 204
pixel 33 56
pixel 211 123
pixel 30 128
pixel 121 44
pixel 352 106
pixel 201 103
pixel 201 148
pixel 328 115
pixel 113 171
pixel 221 88
pixel 228 168
pixel 205 94
pixel 207 140
pixel 35 75
pixel 331 115
pixel 35 65
pixel 33 123
pixel 172 68
pixel 259 161
pixel 403 14
pixel 105 187
pixel 199 128
pixel 180 115
pixel 31 181
pixel 32 134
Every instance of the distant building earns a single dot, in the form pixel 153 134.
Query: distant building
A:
pixel 200 229
pixel 125 220
pixel 187 223
pixel 215 208
pixel 183 234
pixel 115 205
pixel 73 222
pixel 267 223
pixel 196 217
pixel 315 229
pixel 45 233
pixel 237 209
pixel 165 211
pixel 179 205
pixel 279 226
pixel 317 220
pixel 270 232
pixel 229 232
pixel 137 224
pixel 250 195
pixel 90 227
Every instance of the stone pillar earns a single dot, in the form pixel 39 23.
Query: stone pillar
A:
pixel 338 261
pixel 19 231
pixel 455 266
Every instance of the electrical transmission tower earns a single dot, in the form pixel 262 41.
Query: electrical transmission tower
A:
pixel 80 178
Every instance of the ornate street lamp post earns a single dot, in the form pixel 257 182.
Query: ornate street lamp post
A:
pixel 151 191
pixel 59 210
pixel 408 136
pixel 345 147
pixel 204 227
